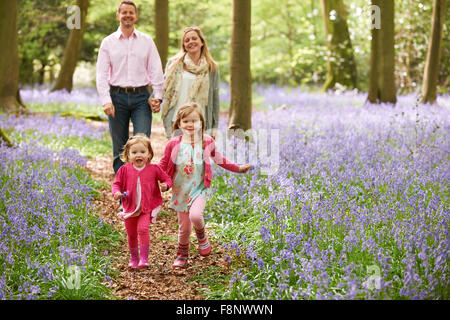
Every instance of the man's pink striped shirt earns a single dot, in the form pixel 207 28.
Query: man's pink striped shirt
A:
pixel 128 62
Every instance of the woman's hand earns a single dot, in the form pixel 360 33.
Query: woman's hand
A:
pixel 155 104
pixel 118 195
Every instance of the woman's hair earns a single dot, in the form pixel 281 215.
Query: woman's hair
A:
pixel 212 65
pixel 137 138
pixel 186 110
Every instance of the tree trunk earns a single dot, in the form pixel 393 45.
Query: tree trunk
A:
pixel 374 89
pixel 240 112
pixel 4 137
pixel 341 66
pixel 72 51
pixel 41 75
pixel 382 57
pixel 162 29
pixel 431 72
pixel 9 62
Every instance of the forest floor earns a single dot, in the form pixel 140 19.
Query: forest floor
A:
pixel 158 281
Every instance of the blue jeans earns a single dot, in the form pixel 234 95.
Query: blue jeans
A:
pixel 128 106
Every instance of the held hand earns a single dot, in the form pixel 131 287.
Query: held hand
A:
pixel 155 104
pixel 214 134
pixel 117 195
pixel 244 168
pixel 164 187
pixel 108 109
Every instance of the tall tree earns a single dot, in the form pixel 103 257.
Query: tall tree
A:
pixel 341 66
pixel 239 116
pixel 162 29
pixel 72 50
pixel 4 137
pixel 382 56
pixel 431 72
pixel 39 36
pixel 9 62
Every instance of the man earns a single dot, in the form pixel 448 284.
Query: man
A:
pixel 128 62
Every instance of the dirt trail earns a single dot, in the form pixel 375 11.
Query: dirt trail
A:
pixel 159 281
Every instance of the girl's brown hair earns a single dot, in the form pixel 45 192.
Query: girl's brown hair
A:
pixel 186 110
pixel 137 138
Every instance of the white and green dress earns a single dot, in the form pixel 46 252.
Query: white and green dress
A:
pixel 188 182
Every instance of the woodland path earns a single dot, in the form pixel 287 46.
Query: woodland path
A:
pixel 159 281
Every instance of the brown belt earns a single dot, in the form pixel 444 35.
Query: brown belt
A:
pixel 129 89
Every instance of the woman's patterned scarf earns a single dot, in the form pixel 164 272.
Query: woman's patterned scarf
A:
pixel 200 87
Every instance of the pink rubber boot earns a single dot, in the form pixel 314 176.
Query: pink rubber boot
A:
pixel 134 257
pixel 143 262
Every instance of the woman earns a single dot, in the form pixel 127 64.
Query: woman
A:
pixel 191 76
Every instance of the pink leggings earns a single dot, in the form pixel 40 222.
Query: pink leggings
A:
pixel 137 227
pixel 188 218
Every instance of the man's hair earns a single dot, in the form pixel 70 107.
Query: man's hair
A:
pixel 131 3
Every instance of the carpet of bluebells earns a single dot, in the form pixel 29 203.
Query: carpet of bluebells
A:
pixel 355 207
pixel 50 237
pixel 358 207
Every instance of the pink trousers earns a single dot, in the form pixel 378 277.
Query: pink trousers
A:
pixel 137 229
pixel 192 217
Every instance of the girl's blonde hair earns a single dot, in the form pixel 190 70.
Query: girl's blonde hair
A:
pixel 212 65
pixel 137 138
pixel 186 110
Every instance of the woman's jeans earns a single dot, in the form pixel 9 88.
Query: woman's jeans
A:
pixel 128 106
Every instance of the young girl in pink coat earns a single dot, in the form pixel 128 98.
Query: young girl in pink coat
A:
pixel 186 160
pixel 136 183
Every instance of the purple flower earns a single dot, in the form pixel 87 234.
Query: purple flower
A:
pixel 358 186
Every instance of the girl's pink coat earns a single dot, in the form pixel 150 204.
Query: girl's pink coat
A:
pixel 126 180
pixel 167 162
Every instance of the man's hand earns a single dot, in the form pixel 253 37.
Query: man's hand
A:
pixel 155 104
pixel 108 109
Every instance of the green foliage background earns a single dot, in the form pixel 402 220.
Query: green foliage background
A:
pixel 288 42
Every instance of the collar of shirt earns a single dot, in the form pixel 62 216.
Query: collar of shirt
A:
pixel 120 34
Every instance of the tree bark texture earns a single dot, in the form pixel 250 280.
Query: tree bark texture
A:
pixel 9 62
pixel 382 86
pixel 239 116
pixel 4 137
pixel 431 72
pixel 162 29
pixel 341 65
pixel 72 51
